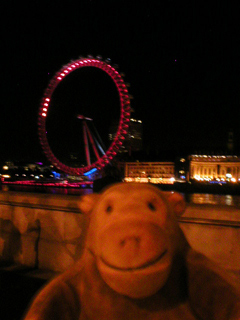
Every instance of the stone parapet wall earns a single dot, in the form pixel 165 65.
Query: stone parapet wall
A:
pixel 46 231
pixel 214 230
pixel 40 230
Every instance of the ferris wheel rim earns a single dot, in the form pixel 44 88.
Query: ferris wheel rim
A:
pixel 123 124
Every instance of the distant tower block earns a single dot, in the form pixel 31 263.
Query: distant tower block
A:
pixel 230 143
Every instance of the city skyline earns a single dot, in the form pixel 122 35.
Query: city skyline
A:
pixel 182 62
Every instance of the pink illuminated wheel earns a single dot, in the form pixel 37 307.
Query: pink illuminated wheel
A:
pixel 100 161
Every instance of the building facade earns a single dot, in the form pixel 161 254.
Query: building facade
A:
pixel 218 168
pixel 133 140
pixel 153 172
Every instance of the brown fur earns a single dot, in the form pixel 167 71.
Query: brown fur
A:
pixel 194 289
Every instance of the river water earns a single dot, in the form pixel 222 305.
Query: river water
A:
pixel 194 198
pixel 214 199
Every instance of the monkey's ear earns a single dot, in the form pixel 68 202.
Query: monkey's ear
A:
pixel 177 202
pixel 87 202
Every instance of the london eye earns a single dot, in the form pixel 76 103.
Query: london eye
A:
pixel 91 152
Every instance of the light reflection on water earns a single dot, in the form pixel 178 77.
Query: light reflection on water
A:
pixel 215 199
pixel 195 198
pixel 51 190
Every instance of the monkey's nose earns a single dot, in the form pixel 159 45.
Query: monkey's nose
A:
pixel 130 243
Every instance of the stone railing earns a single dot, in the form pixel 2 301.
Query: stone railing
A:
pixel 46 231
pixel 40 230
pixel 214 230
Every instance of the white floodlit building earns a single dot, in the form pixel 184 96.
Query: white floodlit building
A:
pixel 211 167
pixel 153 172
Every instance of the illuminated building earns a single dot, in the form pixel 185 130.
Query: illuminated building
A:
pixel 214 168
pixel 133 140
pixel 153 172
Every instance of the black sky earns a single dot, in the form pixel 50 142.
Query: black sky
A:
pixel 182 59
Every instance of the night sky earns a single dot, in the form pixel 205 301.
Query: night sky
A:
pixel 181 58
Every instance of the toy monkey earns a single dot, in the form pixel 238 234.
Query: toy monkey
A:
pixel 137 265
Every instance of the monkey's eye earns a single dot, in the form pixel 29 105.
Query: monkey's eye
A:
pixel 151 206
pixel 109 209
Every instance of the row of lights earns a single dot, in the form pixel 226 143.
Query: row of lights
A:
pixel 152 180
pixel 8 176
pixel 228 178
pixel 64 184
pixel 69 68
pixel 214 156
pixel 135 120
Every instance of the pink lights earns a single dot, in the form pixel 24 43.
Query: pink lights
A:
pixel 63 184
pixel 124 114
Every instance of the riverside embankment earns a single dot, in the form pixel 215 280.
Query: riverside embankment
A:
pixel 46 231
